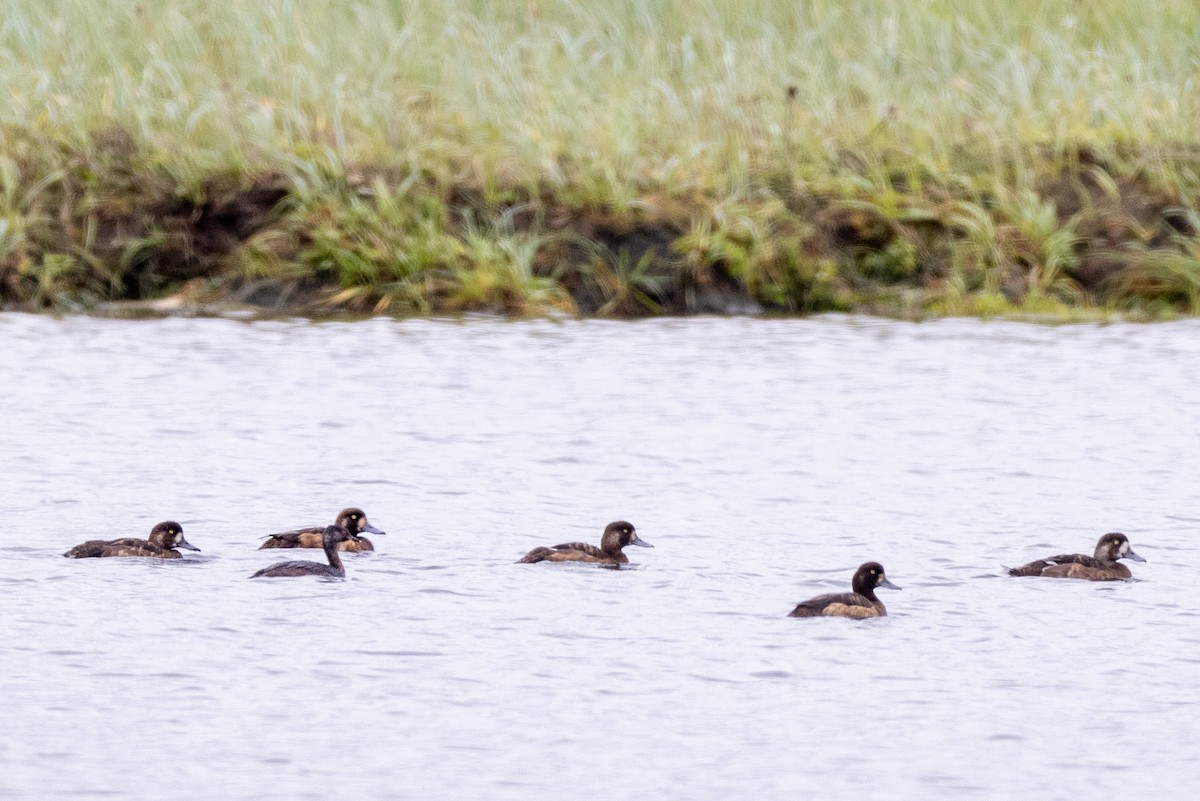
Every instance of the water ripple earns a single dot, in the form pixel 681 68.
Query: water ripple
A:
pixel 765 459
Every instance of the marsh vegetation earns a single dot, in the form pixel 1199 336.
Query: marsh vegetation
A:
pixel 664 156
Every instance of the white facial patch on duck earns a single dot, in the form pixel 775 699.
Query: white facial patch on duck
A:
pixel 1124 548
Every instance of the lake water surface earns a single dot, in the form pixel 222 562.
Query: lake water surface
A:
pixel 765 460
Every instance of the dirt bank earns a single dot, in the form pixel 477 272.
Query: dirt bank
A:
pixel 1077 232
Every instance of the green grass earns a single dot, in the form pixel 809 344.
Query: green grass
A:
pixel 636 157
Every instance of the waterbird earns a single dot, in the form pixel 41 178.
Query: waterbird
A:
pixel 352 519
pixel 333 536
pixel 616 536
pixel 1101 566
pixel 857 604
pixel 164 538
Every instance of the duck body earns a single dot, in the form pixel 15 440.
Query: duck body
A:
pixel 164 538
pixel 616 536
pixel 1103 565
pixel 840 604
pixel 332 537
pixel 859 604
pixel 127 546
pixel 312 538
pixel 300 567
pixel 352 519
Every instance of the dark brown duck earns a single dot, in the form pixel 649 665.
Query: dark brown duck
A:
pixel 616 536
pixel 858 604
pixel 331 539
pixel 352 519
pixel 1101 566
pixel 163 540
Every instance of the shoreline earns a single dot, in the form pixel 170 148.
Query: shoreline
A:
pixel 1097 239
pixel 180 306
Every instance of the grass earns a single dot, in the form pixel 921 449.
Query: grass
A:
pixel 655 156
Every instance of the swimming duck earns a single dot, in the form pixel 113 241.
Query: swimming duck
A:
pixel 858 604
pixel 353 520
pixel 616 536
pixel 164 539
pixel 1102 566
pixel 331 538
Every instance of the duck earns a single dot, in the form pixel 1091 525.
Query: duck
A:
pixel 1101 566
pixel 352 519
pixel 861 603
pixel 331 538
pixel 164 538
pixel 616 536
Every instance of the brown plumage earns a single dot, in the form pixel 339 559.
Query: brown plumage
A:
pixel 616 536
pixel 859 604
pixel 331 538
pixel 352 519
pixel 1101 566
pixel 163 540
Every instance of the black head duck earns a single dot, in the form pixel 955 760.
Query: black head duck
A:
pixel 332 537
pixel 1103 565
pixel 616 536
pixel 352 519
pixel 162 543
pixel 860 603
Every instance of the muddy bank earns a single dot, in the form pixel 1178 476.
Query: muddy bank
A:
pixel 106 233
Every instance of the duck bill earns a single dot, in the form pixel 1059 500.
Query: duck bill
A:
pixel 187 546
pixel 889 585
pixel 639 541
pixel 369 529
pixel 1133 556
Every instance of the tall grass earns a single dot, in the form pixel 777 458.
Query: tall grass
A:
pixel 663 91
pixel 610 103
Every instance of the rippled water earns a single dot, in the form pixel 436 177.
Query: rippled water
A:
pixel 765 459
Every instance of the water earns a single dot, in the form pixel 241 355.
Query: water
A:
pixel 764 459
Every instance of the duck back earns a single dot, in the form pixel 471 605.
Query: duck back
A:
pixel 1036 567
pixel 312 538
pixel 128 546
pixel 300 538
pixel 1073 565
pixel 842 604
pixel 568 552
pixel 300 568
